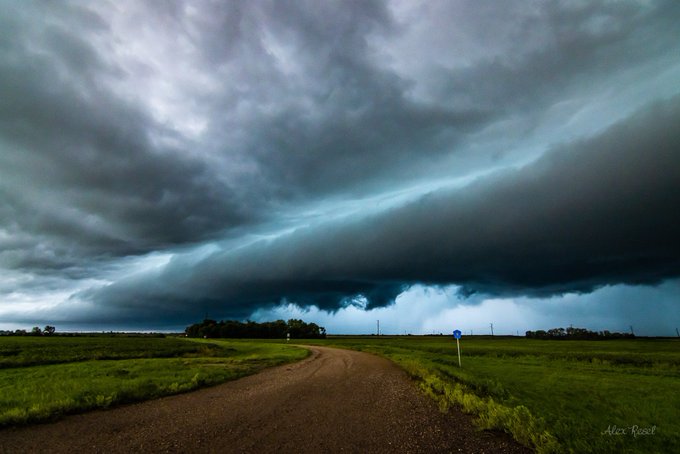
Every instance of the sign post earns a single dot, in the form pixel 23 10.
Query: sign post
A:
pixel 457 335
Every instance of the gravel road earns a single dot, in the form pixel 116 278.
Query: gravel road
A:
pixel 333 401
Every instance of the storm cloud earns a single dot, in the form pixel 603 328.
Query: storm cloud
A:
pixel 595 212
pixel 229 157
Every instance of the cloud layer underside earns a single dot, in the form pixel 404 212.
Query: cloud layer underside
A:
pixel 297 102
pixel 594 212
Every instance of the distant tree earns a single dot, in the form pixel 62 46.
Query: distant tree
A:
pixel 49 330
pixel 36 331
pixel 295 328
pixel 252 330
pixel 576 334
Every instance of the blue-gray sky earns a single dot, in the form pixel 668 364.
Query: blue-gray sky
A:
pixel 430 164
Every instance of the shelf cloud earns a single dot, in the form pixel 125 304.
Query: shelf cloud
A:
pixel 158 162
pixel 594 212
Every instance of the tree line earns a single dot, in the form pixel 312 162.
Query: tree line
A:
pixel 36 331
pixel 576 334
pixel 279 329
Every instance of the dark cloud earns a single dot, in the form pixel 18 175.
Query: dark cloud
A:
pixel 589 213
pixel 323 116
pixel 88 173
pixel 131 128
pixel 553 49
pixel 328 115
pixel 82 174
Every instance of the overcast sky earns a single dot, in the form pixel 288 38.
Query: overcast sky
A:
pixel 435 165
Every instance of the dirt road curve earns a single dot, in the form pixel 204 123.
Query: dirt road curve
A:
pixel 334 401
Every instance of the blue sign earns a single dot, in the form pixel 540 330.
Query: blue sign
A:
pixel 457 334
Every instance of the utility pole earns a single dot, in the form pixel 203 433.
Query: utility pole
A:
pixel 492 329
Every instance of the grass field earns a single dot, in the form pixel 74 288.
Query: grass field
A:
pixel 42 378
pixel 556 396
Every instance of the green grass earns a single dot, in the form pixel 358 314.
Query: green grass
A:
pixel 555 396
pixel 54 376
pixel 32 351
